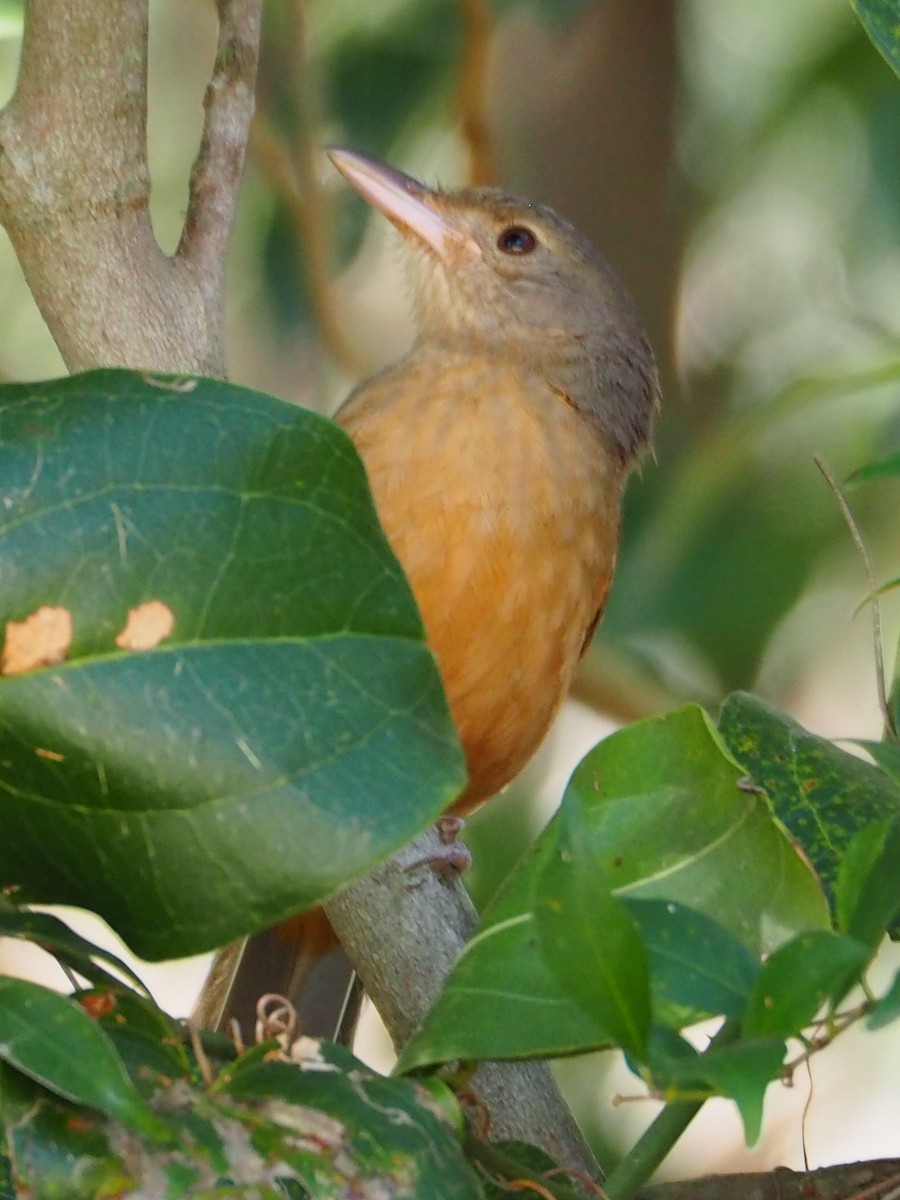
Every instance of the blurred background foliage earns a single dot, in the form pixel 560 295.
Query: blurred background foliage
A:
pixel 739 165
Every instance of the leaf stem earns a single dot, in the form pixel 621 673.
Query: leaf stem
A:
pixel 655 1143
pixel 877 636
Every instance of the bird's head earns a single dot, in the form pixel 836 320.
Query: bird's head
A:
pixel 516 281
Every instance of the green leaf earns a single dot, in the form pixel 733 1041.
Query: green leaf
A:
pixel 379 79
pixel 886 755
pixel 741 1071
pixel 868 883
pixel 7 1189
pixel 58 1150
pixel 51 1039
pixel 671 818
pixel 589 940
pixel 886 1007
pixel 882 468
pixel 289 733
pixel 694 962
pixel 277 1127
pixel 667 817
pixel 67 946
pixel 149 1042
pixel 384 1129
pixel 799 978
pixel 881 21
pixel 824 795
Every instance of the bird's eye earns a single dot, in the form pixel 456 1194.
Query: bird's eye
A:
pixel 517 239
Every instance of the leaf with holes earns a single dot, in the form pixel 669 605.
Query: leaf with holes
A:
pixel 286 734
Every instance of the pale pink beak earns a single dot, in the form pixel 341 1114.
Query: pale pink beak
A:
pixel 410 205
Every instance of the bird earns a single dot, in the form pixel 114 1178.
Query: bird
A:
pixel 497 450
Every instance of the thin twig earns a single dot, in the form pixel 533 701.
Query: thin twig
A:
pixel 807 1105
pixel 202 1058
pixel 471 95
pixel 271 155
pixel 508 1174
pixel 877 638
pixel 873 1192
pixel 297 181
pixel 216 175
pixel 835 1026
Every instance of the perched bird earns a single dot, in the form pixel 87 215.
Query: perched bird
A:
pixel 497 450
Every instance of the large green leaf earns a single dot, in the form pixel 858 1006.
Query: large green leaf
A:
pixel 823 795
pixel 386 1131
pixel 289 733
pixel 667 816
pixel 590 940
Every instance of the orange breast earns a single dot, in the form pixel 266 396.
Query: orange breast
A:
pixel 502 505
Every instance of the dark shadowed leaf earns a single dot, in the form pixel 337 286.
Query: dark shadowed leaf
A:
pixel 695 963
pixel 68 947
pixel 150 1043
pixel 382 78
pixel 289 733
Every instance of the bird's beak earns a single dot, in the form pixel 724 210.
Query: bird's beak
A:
pixel 410 205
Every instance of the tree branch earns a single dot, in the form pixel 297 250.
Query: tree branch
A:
pixel 217 172
pixel 404 931
pixel 850 1181
pixel 308 212
pixel 74 188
